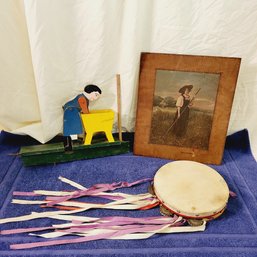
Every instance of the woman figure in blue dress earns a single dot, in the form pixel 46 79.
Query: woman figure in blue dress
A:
pixel 72 124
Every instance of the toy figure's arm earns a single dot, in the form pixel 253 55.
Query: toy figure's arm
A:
pixel 83 105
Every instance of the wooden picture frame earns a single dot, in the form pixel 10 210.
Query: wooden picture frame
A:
pixel 162 76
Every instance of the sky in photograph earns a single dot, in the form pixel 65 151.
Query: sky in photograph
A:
pixel 168 83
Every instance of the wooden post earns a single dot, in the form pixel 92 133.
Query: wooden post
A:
pixel 119 106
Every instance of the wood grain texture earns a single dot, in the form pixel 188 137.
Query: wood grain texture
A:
pixel 227 67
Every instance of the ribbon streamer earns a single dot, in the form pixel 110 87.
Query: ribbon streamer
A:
pixel 109 228
pixel 90 228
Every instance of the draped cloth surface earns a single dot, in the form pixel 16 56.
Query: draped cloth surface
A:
pixel 51 49
pixel 233 234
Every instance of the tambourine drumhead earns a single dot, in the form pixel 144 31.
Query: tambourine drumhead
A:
pixel 191 189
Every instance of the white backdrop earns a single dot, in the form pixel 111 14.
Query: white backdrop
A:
pixel 50 49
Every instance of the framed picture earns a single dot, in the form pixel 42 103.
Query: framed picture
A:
pixel 184 105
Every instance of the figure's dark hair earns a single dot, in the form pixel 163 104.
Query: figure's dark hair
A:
pixel 91 88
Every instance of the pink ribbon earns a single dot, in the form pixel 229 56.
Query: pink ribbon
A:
pixel 232 194
pixel 23 230
pixel 18 193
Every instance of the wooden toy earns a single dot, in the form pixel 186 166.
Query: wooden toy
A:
pixel 93 146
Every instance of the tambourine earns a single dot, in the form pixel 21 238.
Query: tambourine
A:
pixel 191 190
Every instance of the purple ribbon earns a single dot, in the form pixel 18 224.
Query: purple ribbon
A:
pixel 98 188
pixel 105 222
pixel 138 229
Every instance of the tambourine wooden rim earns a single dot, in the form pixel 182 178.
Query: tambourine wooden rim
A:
pixel 191 190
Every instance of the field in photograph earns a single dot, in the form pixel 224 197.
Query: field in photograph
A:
pixel 197 135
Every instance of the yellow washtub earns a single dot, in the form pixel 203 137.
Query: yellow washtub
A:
pixel 98 121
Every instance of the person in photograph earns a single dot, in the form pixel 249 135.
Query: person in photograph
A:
pixel 184 101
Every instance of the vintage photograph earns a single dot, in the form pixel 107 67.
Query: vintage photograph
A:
pixel 183 108
pixel 184 104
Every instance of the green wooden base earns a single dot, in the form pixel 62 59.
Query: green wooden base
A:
pixel 55 153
